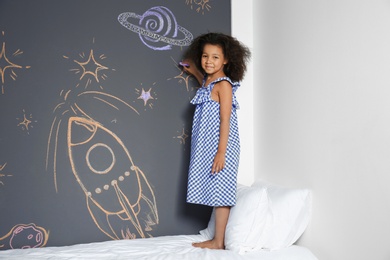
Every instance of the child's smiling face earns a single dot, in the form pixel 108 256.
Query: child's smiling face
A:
pixel 213 60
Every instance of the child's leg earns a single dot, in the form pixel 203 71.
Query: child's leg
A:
pixel 221 219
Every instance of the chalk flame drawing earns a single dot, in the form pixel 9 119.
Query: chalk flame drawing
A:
pixel 24 236
pixel 6 64
pixel 157 28
pixel 114 192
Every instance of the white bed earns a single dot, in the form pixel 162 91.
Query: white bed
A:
pixel 165 247
pixel 264 224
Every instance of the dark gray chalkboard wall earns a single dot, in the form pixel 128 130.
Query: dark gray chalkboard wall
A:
pixel 95 119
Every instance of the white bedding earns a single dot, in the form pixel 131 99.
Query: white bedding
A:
pixel 157 248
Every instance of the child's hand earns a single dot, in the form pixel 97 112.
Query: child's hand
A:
pixel 188 66
pixel 219 163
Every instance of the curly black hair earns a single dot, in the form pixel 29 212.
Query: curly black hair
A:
pixel 234 51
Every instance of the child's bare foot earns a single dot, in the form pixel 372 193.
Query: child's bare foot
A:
pixel 210 244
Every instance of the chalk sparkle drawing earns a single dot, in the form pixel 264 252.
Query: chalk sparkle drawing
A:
pixel 26 123
pixel 6 64
pixel 182 77
pixel 182 137
pixel 200 5
pixel 90 67
pixel 157 28
pixel 24 236
pixel 3 174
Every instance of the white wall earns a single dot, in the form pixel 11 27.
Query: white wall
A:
pixel 322 116
pixel 242 28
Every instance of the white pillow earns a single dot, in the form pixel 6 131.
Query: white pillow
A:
pixel 291 212
pixel 247 220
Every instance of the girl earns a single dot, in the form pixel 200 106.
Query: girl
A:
pixel 218 62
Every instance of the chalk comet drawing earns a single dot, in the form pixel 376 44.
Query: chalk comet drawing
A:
pixel 6 63
pixel 157 28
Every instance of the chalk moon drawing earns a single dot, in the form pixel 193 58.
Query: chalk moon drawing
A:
pixel 157 28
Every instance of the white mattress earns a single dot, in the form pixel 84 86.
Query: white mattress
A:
pixel 157 248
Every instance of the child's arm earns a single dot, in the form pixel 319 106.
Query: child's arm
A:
pixel 190 68
pixel 225 98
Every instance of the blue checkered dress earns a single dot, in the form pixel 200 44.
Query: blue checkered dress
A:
pixel 203 187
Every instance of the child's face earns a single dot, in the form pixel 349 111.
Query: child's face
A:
pixel 213 59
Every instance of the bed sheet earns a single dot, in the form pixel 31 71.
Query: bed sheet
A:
pixel 158 248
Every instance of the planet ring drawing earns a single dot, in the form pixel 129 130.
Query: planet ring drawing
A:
pixel 156 25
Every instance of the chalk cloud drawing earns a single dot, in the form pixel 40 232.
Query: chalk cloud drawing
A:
pixel 119 198
pixel 157 28
pixel 24 236
pixel 199 5
pixel 3 174
pixel 6 63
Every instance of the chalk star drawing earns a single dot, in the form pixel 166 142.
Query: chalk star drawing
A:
pixel 25 123
pixel 3 174
pixel 5 64
pixel 200 5
pixel 182 137
pixel 182 77
pixel 90 65
pixel 146 96
pixel 157 28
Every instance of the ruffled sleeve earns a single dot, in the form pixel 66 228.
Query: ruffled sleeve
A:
pixel 203 94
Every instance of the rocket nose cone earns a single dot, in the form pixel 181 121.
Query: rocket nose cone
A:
pixel 80 130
